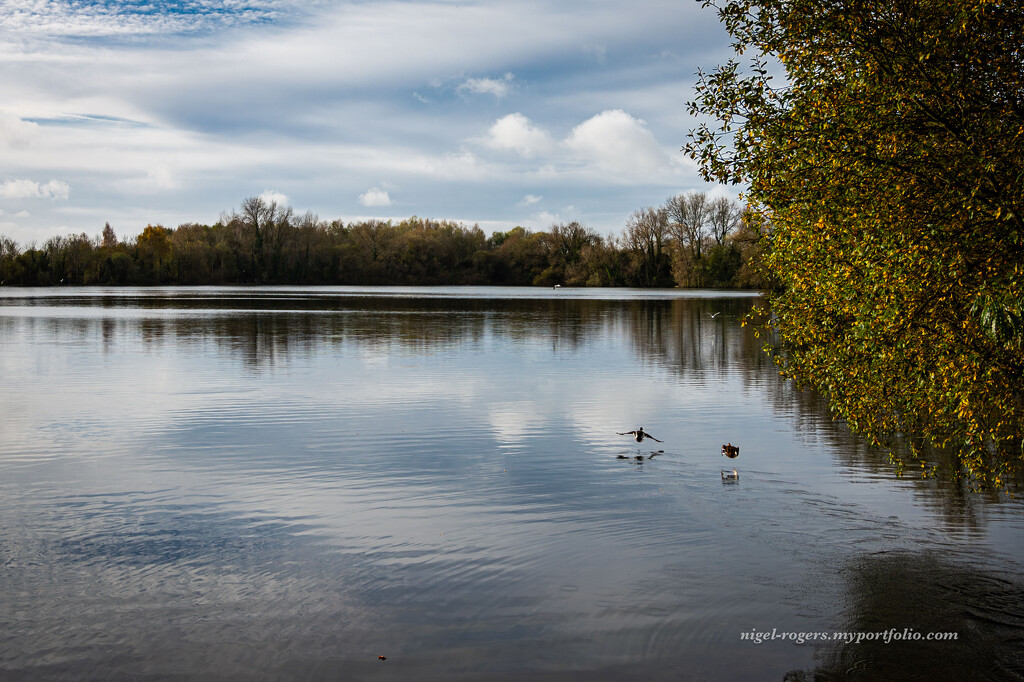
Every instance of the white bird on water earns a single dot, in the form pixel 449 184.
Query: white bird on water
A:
pixel 639 435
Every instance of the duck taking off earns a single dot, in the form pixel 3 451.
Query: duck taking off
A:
pixel 639 435
pixel 731 451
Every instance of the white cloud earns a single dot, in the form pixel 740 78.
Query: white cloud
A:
pixel 546 219
pixel 513 422
pixel 517 133
pixel 615 141
pixel 375 197
pixel 29 189
pixel 498 87
pixel 16 133
pixel 530 200
pixel 150 126
pixel 274 197
pixel 612 147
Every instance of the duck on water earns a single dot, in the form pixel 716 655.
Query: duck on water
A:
pixel 639 435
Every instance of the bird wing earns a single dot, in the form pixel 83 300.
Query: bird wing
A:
pixel 653 438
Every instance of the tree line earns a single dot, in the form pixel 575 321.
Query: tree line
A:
pixel 693 240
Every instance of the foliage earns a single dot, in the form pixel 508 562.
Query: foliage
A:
pixel 265 243
pixel 889 163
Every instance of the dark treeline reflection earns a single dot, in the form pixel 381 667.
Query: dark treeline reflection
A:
pixel 264 332
pixel 275 483
pixel 696 340
pixel 924 593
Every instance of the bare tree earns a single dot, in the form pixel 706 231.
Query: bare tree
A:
pixel 646 234
pixel 251 221
pixel 265 224
pixel 568 240
pixel 724 217
pixel 689 217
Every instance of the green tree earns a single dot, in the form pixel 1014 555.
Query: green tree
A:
pixel 749 238
pixel 10 269
pixel 192 254
pixel 153 252
pixel 69 258
pixel 519 256
pixel 889 161
pixel 565 246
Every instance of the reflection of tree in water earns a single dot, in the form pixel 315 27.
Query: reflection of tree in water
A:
pixel 395 326
pixel 698 340
pixel 262 331
pixel 930 595
pixel 682 337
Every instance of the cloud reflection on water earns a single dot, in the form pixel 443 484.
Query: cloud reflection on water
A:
pixel 273 489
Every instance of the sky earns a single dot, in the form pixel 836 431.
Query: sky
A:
pixel 490 112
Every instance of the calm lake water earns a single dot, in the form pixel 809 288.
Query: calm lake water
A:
pixel 288 483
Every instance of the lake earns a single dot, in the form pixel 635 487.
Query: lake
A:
pixel 289 483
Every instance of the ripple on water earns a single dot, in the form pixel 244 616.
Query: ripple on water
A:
pixel 253 492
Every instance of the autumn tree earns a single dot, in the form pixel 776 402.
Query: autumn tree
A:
pixel 109 237
pixel 888 157
pixel 749 238
pixel 192 254
pixel 68 259
pixel 153 249
pixel 310 257
pixel 565 249
pixel 265 242
pixel 369 250
pixel 519 256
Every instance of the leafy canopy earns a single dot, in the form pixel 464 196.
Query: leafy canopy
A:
pixel 887 162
